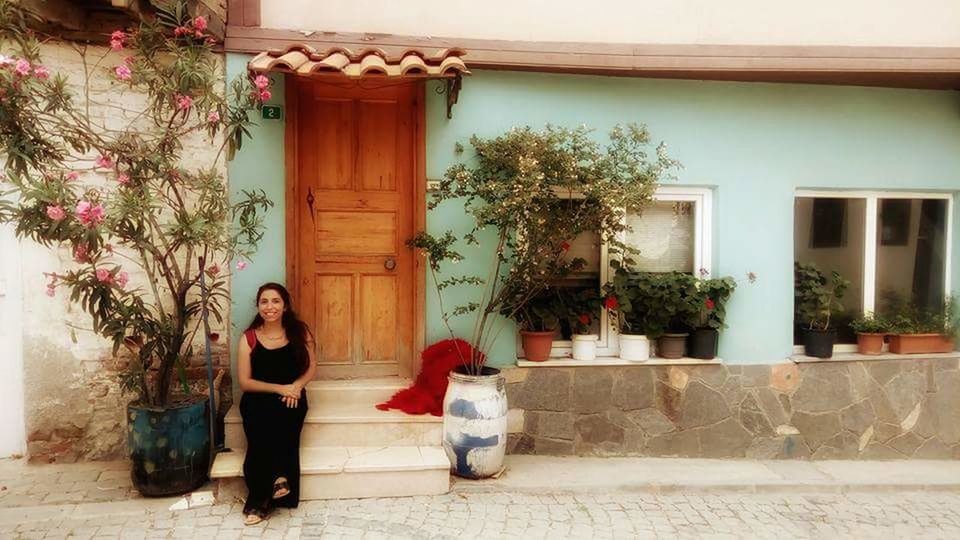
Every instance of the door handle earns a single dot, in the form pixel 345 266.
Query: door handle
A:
pixel 390 263
pixel 310 200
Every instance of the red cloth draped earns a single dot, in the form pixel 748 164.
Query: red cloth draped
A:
pixel 426 394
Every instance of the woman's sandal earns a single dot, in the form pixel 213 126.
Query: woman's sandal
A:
pixel 281 488
pixel 254 516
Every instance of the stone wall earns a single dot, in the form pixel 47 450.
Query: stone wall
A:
pixel 73 407
pixel 877 409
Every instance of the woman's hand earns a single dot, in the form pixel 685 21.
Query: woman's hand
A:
pixel 290 402
pixel 289 391
pixel 298 386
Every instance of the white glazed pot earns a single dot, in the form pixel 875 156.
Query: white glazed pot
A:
pixel 634 348
pixel 585 347
pixel 475 423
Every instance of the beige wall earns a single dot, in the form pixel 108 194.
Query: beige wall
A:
pixel 738 22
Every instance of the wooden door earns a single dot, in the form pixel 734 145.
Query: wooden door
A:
pixel 355 163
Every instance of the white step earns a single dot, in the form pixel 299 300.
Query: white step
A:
pixel 353 472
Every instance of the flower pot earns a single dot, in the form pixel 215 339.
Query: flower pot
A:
pixel 634 348
pixel 169 448
pixel 819 343
pixel 475 422
pixel 920 343
pixel 536 345
pixel 703 343
pixel 585 347
pixel 869 343
pixel 671 345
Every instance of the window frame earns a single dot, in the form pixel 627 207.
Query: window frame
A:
pixel 872 199
pixel 702 198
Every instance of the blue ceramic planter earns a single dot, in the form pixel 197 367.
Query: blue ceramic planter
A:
pixel 170 448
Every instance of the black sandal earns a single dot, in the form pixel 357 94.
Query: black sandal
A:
pixel 281 486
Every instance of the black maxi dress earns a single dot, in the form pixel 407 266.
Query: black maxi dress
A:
pixel 272 430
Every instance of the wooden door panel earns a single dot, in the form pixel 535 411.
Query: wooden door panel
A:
pixel 334 154
pixel 335 318
pixel 377 145
pixel 356 233
pixel 378 317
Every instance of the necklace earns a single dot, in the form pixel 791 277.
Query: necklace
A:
pixel 278 337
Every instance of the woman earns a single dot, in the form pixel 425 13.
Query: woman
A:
pixel 274 364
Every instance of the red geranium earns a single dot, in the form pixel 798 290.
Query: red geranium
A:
pixel 610 302
pixel 565 246
pixel 709 303
pixel 584 319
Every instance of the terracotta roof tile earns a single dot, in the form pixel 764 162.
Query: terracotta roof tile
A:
pixel 305 60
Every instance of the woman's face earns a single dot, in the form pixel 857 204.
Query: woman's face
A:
pixel 270 306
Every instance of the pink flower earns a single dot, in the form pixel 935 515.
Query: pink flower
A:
pixel 123 73
pixel 213 117
pixel 181 30
pixel 116 45
pixel 241 265
pixel 56 212
pixel 122 279
pixel 118 35
pixel 261 82
pixel 104 162
pixel 129 60
pixel 22 67
pixel 72 176
pixel 184 102
pixel 200 23
pixel 89 214
pixel 123 179
pixel 265 95
pixel 51 291
pixel 213 270
pixel 80 254
pixel 103 275
pixel 41 72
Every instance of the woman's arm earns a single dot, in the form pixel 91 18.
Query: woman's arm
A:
pixel 249 384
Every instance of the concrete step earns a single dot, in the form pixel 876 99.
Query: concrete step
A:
pixel 374 390
pixel 351 472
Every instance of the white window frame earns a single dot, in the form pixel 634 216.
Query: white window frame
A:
pixel 702 197
pixel 872 198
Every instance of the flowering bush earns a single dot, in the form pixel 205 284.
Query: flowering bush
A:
pixel 170 222
pixel 539 190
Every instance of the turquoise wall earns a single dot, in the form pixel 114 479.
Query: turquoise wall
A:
pixel 755 144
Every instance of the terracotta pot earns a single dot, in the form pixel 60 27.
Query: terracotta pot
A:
pixel 869 343
pixel 671 345
pixel 536 345
pixel 920 343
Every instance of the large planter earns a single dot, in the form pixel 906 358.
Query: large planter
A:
pixel 634 348
pixel 475 423
pixel 585 347
pixel 671 345
pixel 703 343
pixel 819 343
pixel 920 343
pixel 536 345
pixel 869 343
pixel 169 448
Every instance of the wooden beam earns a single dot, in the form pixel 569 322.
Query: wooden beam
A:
pixel 907 67
pixel 60 12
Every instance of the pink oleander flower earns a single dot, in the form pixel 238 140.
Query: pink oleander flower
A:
pixel 118 35
pixel 104 162
pixel 200 23
pixel 213 117
pixel 103 275
pixel 89 214
pixel 56 212
pixel 241 265
pixel 72 176
pixel 22 67
pixel 265 95
pixel 122 279
pixel 51 291
pixel 184 102
pixel 80 254
pixel 180 30
pixel 123 179
pixel 123 73
pixel 116 44
pixel 261 82
pixel 41 72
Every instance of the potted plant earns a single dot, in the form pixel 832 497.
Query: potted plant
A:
pixel 711 303
pixel 676 297
pixel 581 308
pixel 144 239
pixel 871 330
pixel 915 330
pixel 626 298
pixel 815 299
pixel 538 319
pixel 528 192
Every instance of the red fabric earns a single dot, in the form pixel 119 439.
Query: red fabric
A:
pixel 426 394
pixel 251 338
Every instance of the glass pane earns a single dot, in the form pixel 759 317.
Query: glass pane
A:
pixel 829 233
pixel 911 252
pixel 587 247
pixel 664 233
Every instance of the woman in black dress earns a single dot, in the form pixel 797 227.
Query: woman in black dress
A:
pixel 274 364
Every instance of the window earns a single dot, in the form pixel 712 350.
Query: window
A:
pixel 891 247
pixel 672 233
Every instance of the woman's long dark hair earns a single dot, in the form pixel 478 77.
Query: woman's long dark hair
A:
pixel 298 334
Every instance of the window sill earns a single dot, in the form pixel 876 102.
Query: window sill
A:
pixel 857 357
pixel 614 361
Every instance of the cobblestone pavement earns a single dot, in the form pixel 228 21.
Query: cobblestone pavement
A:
pixel 513 515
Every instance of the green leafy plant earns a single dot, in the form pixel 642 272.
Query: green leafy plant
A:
pixel 908 318
pixel 580 307
pixel 159 214
pixel 650 303
pixel 535 191
pixel 710 302
pixel 816 297
pixel 870 323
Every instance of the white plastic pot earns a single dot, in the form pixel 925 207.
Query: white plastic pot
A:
pixel 585 347
pixel 634 348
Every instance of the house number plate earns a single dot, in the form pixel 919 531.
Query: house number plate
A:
pixel 271 112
